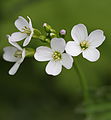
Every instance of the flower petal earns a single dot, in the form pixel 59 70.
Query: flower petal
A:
pixel 73 48
pixel 79 33
pixel 30 23
pixel 14 68
pixel 53 68
pixel 43 54
pixel 13 43
pixel 27 40
pixel 96 38
pixel 91 54
pixel 18 36
pixel 20 23
pixel 67 61
pixel 23 54
pixel 58 44
pixel 9 54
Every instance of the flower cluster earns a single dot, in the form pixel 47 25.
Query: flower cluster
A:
pixel 59 53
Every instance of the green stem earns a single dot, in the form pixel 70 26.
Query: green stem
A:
pixel 84 87
pixel 83 83
pixel 29 52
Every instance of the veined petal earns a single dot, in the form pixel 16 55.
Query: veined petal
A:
pixel 58 44
pixel 9 54
pixel 20 23
pixel 91 54
pixel 14 43
pixel 18 36
pixel 43 54
pixel 15 67
pixel 27 40
pixel 96 38
pixel 67 61
pixel 54 68
pixel 73 48
pixel 79 33
pixel 30 23
pixel 23 54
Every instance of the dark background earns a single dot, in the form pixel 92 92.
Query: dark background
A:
pixel 33 95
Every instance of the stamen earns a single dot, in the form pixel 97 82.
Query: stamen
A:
pixel 84 45
pixel 57 56
pixel 26 30
pixel 18 54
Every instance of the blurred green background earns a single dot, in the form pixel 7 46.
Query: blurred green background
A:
pixel 33 95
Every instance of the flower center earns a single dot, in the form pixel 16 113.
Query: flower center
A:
pixel 18 54
pixel 84 45
pixel 26 30
pixel 57 56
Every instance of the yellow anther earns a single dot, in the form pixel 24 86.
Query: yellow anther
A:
pixel 84 45
pixel 56 55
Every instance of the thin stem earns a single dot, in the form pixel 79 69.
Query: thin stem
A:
pixel 84 87
pixel 83 83
pixel 29 52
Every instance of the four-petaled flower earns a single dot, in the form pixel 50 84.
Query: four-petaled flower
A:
pixel 85 44
pixel 14 54
pixel 26 31
pixel 55 55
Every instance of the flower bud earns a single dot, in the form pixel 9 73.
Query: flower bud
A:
pixel 36 34
pixel 62 33
pixel 44 39
pixel 53 35
pixel 48 28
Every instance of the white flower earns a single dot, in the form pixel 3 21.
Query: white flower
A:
pixel 85 44
pixel 55 55
pixel 14 54
pixel 26 30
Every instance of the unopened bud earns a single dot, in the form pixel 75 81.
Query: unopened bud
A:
pixel 62 33
pixel 36 33
pixel 47 27
pixel 53 35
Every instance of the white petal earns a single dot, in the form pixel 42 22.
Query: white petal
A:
pixel 30 23
pixel 79 33
pixel 14 68
pixel 27 40
pixel 9 54
pixel 23 54
pixel 91 54
pixel 73 48
pixel 20 23
pixel 53 68
pixel 96 38
pixel 13 43
pixel 58 44
pixel 18 36
pixel 67 61
pixel 43 54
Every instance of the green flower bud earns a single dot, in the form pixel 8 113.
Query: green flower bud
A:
pixel 36 34
pixel 53 35
pixel 44 39
pixel 48 28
